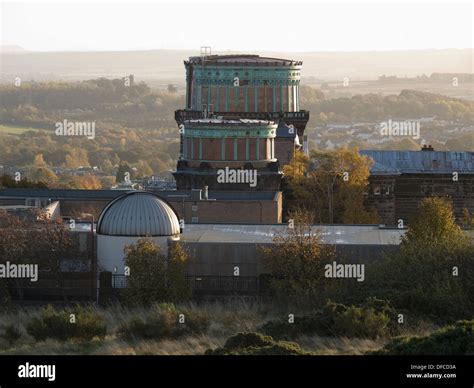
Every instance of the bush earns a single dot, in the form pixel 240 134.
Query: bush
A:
pixel 256 344
pixel 375 318
pixel 137 328
pixel 153 277
pixel 11 334
pixel 457 339
pixel 164 322
pixel 420 276
pixel 89 324
pixel 58 325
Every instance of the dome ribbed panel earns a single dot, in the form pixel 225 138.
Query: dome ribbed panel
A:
pixel 138 214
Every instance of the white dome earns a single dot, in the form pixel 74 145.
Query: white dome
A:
pixel 138 213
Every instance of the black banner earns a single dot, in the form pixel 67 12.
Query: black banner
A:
pixel 311 371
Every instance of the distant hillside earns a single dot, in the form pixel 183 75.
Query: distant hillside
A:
pixel 11 49
pixel 167 65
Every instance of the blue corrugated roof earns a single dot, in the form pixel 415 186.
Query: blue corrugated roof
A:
pixel 426 162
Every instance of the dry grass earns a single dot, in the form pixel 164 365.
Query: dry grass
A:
pixel 225 321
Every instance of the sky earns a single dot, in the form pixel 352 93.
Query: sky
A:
pixel 247 25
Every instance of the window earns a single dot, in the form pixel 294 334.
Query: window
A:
pixel 377 190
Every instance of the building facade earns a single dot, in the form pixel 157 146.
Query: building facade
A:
pixel 234 105
pixel 399 180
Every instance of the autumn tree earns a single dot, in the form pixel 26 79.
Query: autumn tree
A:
pixel 36 240
pixel 432 272
pixel 178 288
pixel 77 157
pixel 331 185
pixel 296 262
pixel 144 169
pixel 44 175
pixel 154 277
pixel 124 168
pixel 85 182
pixel 39 161
pixel 433 228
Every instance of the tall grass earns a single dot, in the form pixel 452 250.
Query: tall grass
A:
pixel 225 320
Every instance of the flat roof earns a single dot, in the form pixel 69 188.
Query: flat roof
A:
pixel 221 195
pixel 230 122
pixel 264 234
pixel 330 234
pixel 241 59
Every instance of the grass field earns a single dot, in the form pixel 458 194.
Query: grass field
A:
pixel 225 321
pixel 13 130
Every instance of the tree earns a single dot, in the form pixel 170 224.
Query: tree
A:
pixel 107 182
pixel 144 169
pixel 153 278
pixel 432 272
pixel 331 185
pixel 296 262
pixel 467 219
pixel 123 169
pixel 147 280
pixel 85 182
pixel 178 287
pixel 39 161
pixel 43 174
pixel 36 240
pixel 77 157
pixel 433 227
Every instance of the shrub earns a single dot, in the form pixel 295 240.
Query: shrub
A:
pixel 164 322
pixel 89 324
pixel 195 322
pixel 11 334
pixel 457 339
pixel 256 344
pixel 151 328
pixel 373 319
pixel 419 277
pixel 50 324
pixel 58 325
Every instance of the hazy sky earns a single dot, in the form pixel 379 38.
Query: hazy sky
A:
pixel 244 25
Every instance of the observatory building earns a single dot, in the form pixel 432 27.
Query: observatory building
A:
pixel 242 112
pixel 128 218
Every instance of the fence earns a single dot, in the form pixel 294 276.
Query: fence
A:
pixel 209 285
